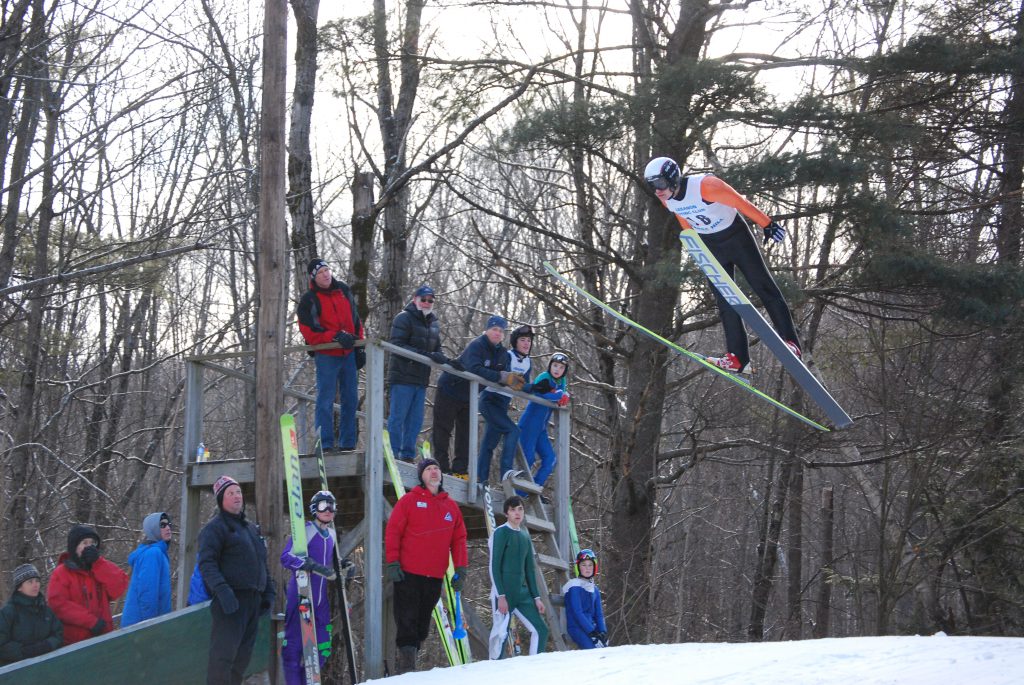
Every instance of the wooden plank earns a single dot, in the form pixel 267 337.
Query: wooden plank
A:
pixel 552 562
pixel 338 464
pixel 169 650
pixel 534 523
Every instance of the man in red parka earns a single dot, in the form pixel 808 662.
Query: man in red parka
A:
pixel 327 313
pixel 425 527
pixel 83 585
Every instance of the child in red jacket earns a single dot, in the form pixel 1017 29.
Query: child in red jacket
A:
pixel 83 585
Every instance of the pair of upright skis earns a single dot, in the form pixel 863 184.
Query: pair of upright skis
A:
pixel 727 287
pixel 296 510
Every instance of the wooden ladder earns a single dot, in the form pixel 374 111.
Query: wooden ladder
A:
pixel 549 556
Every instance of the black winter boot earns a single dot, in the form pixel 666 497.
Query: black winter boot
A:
pixel 406 659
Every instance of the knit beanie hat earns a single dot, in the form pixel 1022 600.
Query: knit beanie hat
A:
pixel 220 486
pixel 422 466
pixel 314 266
pixel 498 321
pixel 79 533
pixel 23 573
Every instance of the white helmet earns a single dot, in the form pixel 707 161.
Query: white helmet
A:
pixel 662 173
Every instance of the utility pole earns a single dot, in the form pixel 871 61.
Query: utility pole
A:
pixel 271 273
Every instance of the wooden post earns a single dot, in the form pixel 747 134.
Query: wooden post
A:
pixel 271 272
pixel 188 524
pixel 562 484
pixel 373 514
pixel 362 240
pixel 473 441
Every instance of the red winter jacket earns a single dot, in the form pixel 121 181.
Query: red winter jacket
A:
pixel 423 530
pixel 80 597
pixel 323 313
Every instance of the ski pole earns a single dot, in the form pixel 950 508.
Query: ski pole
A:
pixel 460 630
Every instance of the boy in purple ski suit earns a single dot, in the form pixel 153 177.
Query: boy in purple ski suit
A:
pixel 318 563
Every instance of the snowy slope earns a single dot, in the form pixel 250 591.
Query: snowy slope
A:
pixel 934 660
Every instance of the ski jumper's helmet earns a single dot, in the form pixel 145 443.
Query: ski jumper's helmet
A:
pixel 583 556
pixel 321 501
pixel 561 359
pixel 521 332
pixel 662 173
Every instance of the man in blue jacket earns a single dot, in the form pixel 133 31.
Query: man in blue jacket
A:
pixel 149 592
pixel 485 357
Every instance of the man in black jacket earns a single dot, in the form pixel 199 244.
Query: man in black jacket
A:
pixel 415 329
pixel 233 563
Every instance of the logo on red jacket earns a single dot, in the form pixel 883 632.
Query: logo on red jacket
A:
pixel 448 516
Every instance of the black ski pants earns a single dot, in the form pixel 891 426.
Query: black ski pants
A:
pixel 415 598
pixel 232 638
pixel 450 413
pixel 735 247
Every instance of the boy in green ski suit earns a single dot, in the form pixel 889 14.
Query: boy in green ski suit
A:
pixel 514 582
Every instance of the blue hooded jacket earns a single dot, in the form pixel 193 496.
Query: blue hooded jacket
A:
pixel 149 592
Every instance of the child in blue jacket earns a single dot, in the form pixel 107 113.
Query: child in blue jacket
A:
pixel 533 424
pixel 583 614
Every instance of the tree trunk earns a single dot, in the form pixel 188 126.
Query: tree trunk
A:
pixel 300 158
pixel 823 612
pixel 767 552
pixel 362 240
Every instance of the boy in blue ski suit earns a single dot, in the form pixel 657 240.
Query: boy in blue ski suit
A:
pixel 319 553
pixel 533 424
pixel 584 617
pixel 494 406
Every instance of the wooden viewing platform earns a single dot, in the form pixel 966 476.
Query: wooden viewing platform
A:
pixel 362 473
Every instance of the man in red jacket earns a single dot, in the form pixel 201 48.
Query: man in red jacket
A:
pixel 83 585
pixel 424 529
pixel 327 313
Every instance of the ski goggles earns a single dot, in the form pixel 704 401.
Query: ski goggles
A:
pixel 324 505
pixel 658 182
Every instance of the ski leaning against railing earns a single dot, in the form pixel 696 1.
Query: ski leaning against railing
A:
pixel 699 358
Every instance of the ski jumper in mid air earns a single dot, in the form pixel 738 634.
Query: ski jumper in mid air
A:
pixel 712 208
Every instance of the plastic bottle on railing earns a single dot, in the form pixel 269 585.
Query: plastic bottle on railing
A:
pixel 201 452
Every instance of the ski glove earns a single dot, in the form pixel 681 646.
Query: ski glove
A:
pixel 349 568
pixel 98 627
pixel 774 232
pixel 393 572
pixel 563 400
pixel 227 600
pixel 516 381
pixel 438 357
pixel 456 364
pixel 34 649
pixel 345 339
pixel 309 565
pixel 89 556
pixel 543 386
pixel 459 579
pixel 360 354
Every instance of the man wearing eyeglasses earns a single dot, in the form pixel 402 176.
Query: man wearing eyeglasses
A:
pixel 712 208
pixel 416 329
pixel 149 591
pixel 320 544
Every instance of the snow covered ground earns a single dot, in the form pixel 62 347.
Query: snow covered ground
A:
pixel 841 661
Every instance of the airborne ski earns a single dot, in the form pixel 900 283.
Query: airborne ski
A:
pixel 444 625
pixel 700 359
pixel 293 478
pixel 728 289
pixel 339 586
